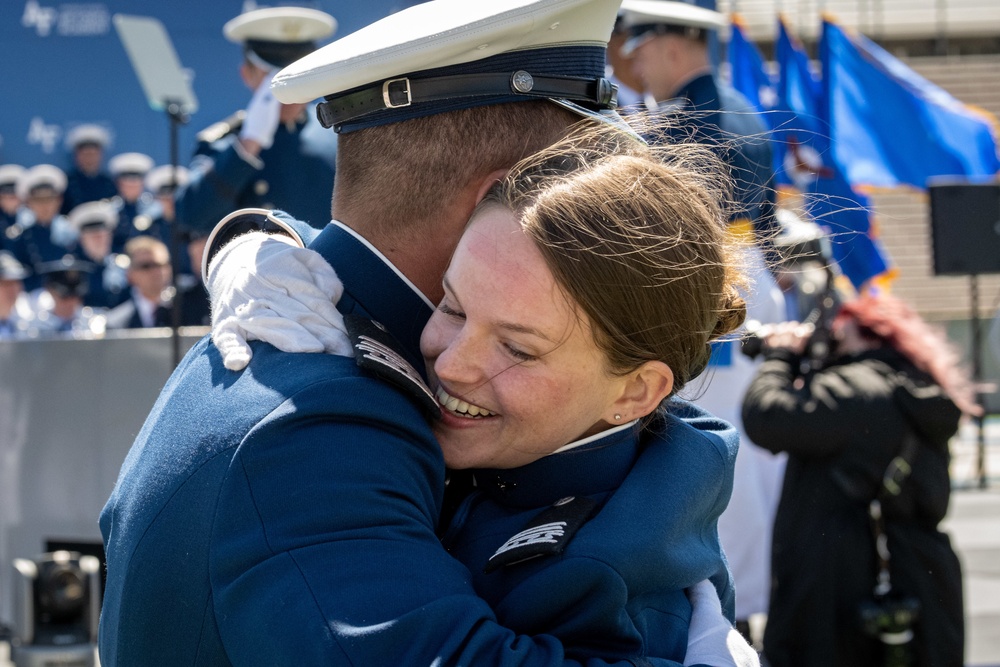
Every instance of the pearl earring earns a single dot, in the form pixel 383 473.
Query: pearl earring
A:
pixel 618 417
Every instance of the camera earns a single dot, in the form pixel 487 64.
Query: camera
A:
pixel 57 610
pixel 891 620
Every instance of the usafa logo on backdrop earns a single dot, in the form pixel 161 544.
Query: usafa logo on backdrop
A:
pixel 66 20
pixel 43 135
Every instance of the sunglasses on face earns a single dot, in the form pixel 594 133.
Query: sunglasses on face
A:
pixel 146 266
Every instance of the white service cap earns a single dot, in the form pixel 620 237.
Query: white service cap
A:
pixel 9 173
pixel 87 134
pixel 130 164
pixel 89 213
pixel 444 55
pixel 41 176
pixel 671 13
pixel 162 178
pixel 279 35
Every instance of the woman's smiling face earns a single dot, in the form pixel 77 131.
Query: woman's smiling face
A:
pixel 512 359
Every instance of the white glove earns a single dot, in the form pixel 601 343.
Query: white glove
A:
pixel 263 287
pixel 712 640
pixel 263 113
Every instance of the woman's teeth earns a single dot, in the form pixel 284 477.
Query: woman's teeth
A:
pixel 460 407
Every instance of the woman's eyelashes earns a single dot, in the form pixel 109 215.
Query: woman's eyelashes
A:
pixel 518 354
pixel 513 351
pixel 450 312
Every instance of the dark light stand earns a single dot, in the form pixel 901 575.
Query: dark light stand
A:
pixel 167 89
pixel 177 117
pixel 977 378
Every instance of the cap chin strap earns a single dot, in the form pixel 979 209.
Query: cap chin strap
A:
pixel 403 91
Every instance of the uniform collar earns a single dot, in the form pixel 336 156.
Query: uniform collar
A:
pixel 698 91
pixel 594 466
pixel 374 288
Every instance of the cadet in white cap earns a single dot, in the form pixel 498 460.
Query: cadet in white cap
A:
pixel 158 219
pixel 668 42
pixel 13 306
pixel 95 223
pixel 58 308
pixel 296 503
pixel 9 201
pixel 86 180
pixel 129 172
pixel 40 234
pixel 271 155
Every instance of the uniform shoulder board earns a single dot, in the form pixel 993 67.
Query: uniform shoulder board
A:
pixel 216 131
pixel 378 352
pixel 545 535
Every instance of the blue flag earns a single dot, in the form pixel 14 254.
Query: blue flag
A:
pixel 747 71
pixel 814 168
pixel 801 129
pixel 892 127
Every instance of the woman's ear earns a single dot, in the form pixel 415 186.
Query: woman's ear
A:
pixel 644 390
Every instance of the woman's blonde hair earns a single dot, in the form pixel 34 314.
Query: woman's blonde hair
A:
pixel 637 236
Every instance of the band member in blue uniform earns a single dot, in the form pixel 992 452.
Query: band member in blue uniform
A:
pixel 271 155
pixel 57 307
pixel 669 46
pixel 14 311
pixel 287 514
pixel 94 223
pixel 129 171
pixel 9 201
pixel 86 179
pixel 40 234
pixel 159 219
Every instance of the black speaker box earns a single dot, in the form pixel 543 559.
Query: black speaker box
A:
pixel 965 228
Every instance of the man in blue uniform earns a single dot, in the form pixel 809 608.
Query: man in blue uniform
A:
pixel 13 309
pixel 86 179
pixel 40 234
pixel 129 171
pixel 287 514
pixel 669 45
pixel 9 201
pixel 272 155
pixel 94 222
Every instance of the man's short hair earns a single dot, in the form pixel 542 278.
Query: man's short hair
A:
pixel 436 156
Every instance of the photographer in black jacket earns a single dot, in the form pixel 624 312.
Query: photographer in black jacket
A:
pixel 867 436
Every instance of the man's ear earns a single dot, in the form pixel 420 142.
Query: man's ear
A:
pixel 488 183
pixel 644 390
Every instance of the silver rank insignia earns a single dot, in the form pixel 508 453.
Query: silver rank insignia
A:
pixel 545 535
pixel 377 351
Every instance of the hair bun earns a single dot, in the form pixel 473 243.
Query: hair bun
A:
pixel 732 313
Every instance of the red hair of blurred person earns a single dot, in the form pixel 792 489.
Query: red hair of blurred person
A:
pixel 890 320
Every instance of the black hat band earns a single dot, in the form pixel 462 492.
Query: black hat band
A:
pixel 599 92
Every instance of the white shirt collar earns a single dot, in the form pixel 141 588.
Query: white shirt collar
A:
pixel 592 438
pixel 145 308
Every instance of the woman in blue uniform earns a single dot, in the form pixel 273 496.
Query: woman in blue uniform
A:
pixel 580 301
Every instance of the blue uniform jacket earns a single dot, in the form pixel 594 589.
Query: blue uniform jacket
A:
pixel 81 188
pixel 295 174
pixel 711 112
pixel 617 589
pixel 285 515
pixel 34 245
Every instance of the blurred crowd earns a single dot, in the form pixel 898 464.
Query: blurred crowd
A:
pixel 95 247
